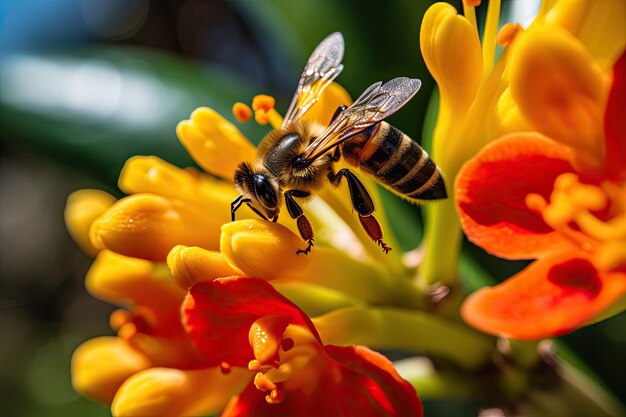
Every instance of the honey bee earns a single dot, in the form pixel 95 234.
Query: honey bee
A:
pixel 295 161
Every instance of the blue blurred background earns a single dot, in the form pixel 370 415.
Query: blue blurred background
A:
pixel 84 84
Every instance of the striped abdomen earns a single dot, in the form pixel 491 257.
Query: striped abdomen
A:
pixel 396 161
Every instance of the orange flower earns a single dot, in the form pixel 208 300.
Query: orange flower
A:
pixel 152 354
pixel 245 322
pixel 561 199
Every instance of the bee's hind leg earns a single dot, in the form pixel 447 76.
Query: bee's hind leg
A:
pixel 363 204
pixel 295 211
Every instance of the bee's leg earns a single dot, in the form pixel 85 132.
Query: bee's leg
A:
pixel 261 215
pixel 234 206
pixel 363 204
pixel 295 211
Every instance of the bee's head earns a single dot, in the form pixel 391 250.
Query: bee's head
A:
pixel 260 187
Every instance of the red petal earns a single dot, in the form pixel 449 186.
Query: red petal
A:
pixel 552 296
pixel 491 192
pixel 359 382
pixel 615 121
pixel 218 314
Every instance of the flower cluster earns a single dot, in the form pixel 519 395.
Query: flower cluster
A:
pixel 221 316
pixel 240 346
pixel 556 194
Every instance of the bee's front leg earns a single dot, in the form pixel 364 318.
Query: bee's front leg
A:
pixel 295 211
pixel 234 206
pixel 362 203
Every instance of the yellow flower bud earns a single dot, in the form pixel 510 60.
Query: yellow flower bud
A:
pixel 101 365
pixel 190 265
pixel 148 226
pixel 214 143
pixel 174 393
pixel 83 207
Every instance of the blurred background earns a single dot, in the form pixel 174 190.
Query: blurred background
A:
pixel 85 84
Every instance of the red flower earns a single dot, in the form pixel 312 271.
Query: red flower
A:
pixel 245 322
pixel 526 196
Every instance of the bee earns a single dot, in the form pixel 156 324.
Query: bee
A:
pixel 295 161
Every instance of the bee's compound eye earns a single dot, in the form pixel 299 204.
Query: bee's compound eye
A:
pixel 300 162
pixel 264 192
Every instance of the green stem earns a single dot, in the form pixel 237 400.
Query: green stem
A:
pixel 443 386
pixel 442 245
pixel 386 328
pixel 367 282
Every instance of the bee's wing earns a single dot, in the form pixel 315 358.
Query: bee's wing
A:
pixel 376 103
pixel 323 67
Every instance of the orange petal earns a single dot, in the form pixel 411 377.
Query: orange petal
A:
pixel 83 207
pixel 101 365
pixel 190 265
pixel 173 393
pixel 615 122
pixel 553 296
pixel 148 226
pixel 491 192
pixel 559 89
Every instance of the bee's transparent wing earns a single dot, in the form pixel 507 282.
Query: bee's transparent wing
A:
pixel 323 67
pixel 376 103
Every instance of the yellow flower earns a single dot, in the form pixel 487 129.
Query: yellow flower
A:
pixel 481 97
pixel 182 216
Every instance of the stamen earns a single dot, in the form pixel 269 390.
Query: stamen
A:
pixel 274 397
pixel 263 102
pixel 471 3
pixel 263 383
pixel 119 318
pixel 573 202
pixel 508 33
pixel 127 331
pixel 242 112
pixel 254 365
pixel 225 368
pixel 489 36
pixel 470 14
pixel 264 112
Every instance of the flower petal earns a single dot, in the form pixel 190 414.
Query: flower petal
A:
pixel 356 382
pixel 214 143
pixel 249 244
pixel 375 375
pixel 149 174
pixel 267 250
pixel 174 393
pixel 452 53
pixel 588 20
pixel 82 208
pixel 491 192
pixel 101 365
pixel 615 121
pixel 190 265
pixel 121 280
pixel 218 314
pixel 333 96
pixel 553 296
pixel 148 226
pixel 566 101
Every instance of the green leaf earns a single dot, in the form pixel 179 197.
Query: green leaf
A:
pixel 93 108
